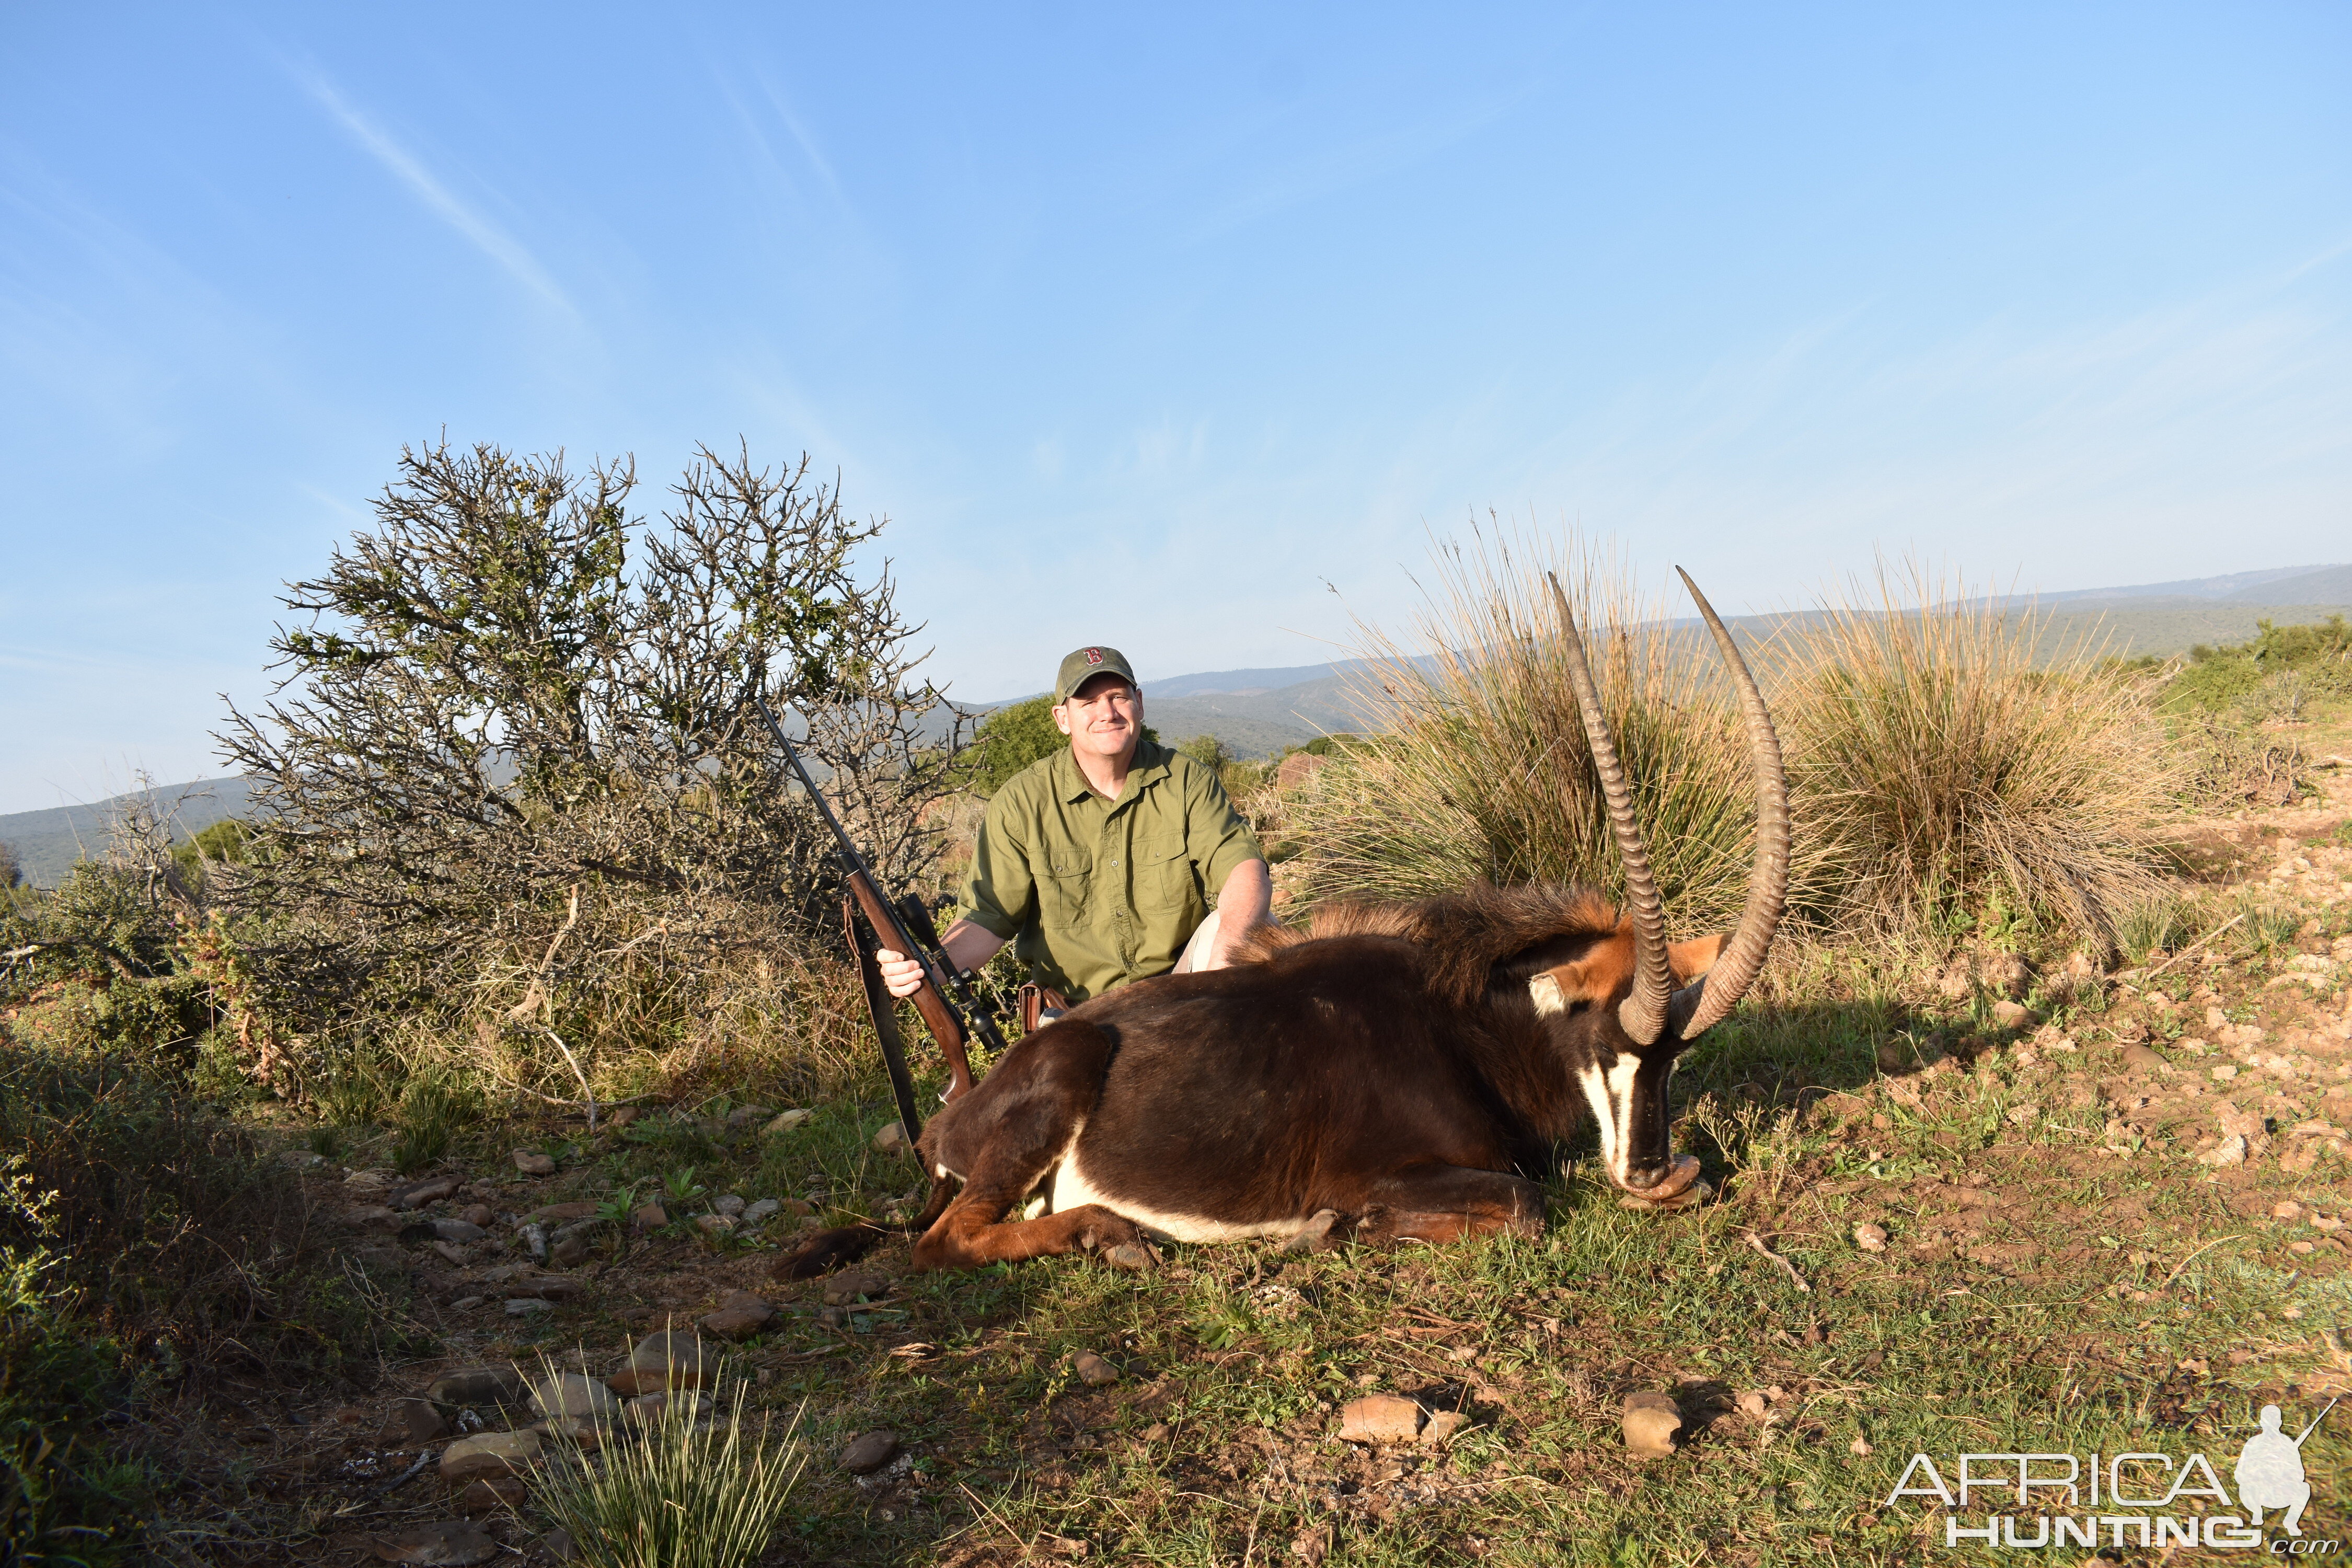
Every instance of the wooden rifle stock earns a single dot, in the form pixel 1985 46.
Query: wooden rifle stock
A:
pixel 937 1016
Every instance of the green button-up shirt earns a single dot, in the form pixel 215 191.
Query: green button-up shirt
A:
pixel 1094 893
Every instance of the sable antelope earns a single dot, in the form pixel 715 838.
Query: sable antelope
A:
pixel 1402 1072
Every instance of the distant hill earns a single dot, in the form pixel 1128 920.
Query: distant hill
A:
pixel 49 842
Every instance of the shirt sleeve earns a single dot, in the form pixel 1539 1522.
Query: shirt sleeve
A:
pixel 1219 839
pixel 1000 896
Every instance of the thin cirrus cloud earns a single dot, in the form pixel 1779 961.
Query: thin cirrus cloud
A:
pixel 484 235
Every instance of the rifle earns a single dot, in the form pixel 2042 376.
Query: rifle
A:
pixel 946 996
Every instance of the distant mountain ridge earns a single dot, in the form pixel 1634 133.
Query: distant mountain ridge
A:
pixel 1259 711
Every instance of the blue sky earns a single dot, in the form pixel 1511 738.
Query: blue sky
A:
pixel 1157 326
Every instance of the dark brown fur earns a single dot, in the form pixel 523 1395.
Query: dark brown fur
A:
pixel 1391 1067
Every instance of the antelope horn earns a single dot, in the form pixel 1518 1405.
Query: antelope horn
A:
pixel 1703 1003
pixel 1643 1014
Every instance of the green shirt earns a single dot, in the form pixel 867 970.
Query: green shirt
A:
pixel 1094 893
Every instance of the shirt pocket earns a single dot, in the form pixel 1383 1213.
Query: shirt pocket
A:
pixel 1063 882
pixel 1163 876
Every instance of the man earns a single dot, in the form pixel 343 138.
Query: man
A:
pixel 1099 862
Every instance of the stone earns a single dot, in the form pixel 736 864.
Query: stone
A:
pixel 744 1115
pixel 1870 1238
pixel 1296 769
pixel 490 1494
pixel 478 1385
pixel 2004 974
pixel 300 1160
pixel 1755 1405
pixel 545 1286
pixel 451 1543
pixel 731 1205
pixel 843 1289
pixel 648 1406
pixel 1093 1371
pixel 785 1121
pixel 671 1359
pixel 622 1115
pixel 2286 1209
pixel 491 1454
pixel 1380 1418
pixel 410 1421
pixel 532 1162
pixel 758 1211
pixel 458 1230
pixel 574 1394
pixel 2140 1058
pixel 422 1193
pixel 1443 1424
pixel 2010 1014
pixel 2230 1150
pixel 370 1181
pixel 557 1214
pixel 527 1306
pixel 1651 1421
pixel 892 1140
pixel 648 1216
pixel 869 1453
pixel 740 1317
pixel 715 1224
pixel 558 1542
pixel 477 1214
pixel 373 1216
pixel 569 1253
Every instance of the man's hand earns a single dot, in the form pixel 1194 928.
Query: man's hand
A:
pixel 968 947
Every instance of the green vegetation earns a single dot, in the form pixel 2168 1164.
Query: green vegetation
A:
pixel 677 1491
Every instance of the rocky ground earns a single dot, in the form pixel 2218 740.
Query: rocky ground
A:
pixel 2124 1193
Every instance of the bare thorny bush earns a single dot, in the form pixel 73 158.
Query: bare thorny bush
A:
pixel 514 803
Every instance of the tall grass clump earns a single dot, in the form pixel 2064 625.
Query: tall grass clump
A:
pixel 679 1490
pixel 1480 767
pixel 1939 770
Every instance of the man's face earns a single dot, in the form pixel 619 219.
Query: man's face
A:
pixel 1103 718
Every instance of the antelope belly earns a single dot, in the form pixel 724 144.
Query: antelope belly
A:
pixel 1071 1190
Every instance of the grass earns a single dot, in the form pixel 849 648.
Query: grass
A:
pixel 681 1489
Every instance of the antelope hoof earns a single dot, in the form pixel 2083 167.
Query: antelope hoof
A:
pixel 1134 1257
pixel 1673 1183
pixel 1691 1196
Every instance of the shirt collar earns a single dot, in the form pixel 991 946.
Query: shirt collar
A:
pixel 1150 764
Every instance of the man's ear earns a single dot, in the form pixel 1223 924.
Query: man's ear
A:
pixel 1061 717
pixel 1693 958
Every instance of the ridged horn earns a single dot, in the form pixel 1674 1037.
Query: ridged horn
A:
pixel 1699 1006
pixel 1643 1013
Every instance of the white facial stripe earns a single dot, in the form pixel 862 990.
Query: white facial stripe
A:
pixel 1610 1095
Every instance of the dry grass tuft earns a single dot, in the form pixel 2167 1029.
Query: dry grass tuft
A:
pixel 1937 768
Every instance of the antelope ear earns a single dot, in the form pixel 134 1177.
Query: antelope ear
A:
pixel 1606 968
pixel 1693 958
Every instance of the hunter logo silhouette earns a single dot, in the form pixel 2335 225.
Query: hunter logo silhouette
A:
pixel 2270 1471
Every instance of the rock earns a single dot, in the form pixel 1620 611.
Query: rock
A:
pixel 622 1115
pixel 1093 1371
pixel 1651 1421
pixel 492 1453
pixel 559 1545
pixel 532 1162
pixel 574 1394
pixel 648 1406
pixel 545 1286
pixel 1859 1447
pixel 2004 975
pixel 478 1385
pixel 1754 1405
pixel 2140 1058
pixel 490 1494
pixel 671 1359
pixel 744 1115
pixel 1380 1418
pixel 761 1210
pixel 715 1224
pixel 1443 1424
pixel 1296 769
pixel 648 1216
pixel 458 1230
pixel 569 1253
pixel 1870 1238
pixel 731 1205
pixel 300 1160
pixel 370 1181
pixel 865 1454
pixel 452 1543
pixel 843 1289
pixel 892 1140
pixel 477 1214
pixel 1315 1236
pixel 2230 1150
pixel 422 1193
pixel 739 1317
pixel 373 1216
pixel 557 1214
pixel 1311 1546
pixel 527 1306
pixel 2286 1209
pixel 534 1236
pixel 785 1121
pixel 2010 1014
pixel 410 1421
